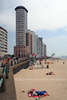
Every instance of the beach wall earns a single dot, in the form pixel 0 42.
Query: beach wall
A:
pixel 9 93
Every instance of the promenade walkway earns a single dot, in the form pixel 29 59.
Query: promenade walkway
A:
pixel 9 93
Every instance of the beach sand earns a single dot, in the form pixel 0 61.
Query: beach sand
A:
pixel 55 85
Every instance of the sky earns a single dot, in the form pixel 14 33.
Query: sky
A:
pixel 48 18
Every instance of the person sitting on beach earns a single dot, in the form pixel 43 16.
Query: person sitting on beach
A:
pixel 40 62
pixel 47 66
pixel 63 62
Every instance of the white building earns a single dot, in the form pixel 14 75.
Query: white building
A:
pixel 38 47
pixel 45 52
pixel 3 42
pixel 42 50
pixel 34 43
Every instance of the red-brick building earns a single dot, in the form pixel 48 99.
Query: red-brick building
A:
pixel 20 51
pixel 24 51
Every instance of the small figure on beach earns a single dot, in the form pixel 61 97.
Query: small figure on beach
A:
pixel 47 66
pixel 63 62
pixel 50 73
pixel 37 94
pixel 40 62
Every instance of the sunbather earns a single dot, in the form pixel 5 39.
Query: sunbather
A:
pixel 34 93
pixel 50 73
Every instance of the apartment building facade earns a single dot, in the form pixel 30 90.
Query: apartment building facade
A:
pixel 21 30
pixel 3 41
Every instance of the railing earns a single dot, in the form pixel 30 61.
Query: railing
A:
pixel 3 76
pixel 5 70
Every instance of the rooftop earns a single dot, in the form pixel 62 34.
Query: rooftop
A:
pixel 3 29
pixel 21 7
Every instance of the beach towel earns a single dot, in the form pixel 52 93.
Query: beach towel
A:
pixel 39 93
pixel 35 94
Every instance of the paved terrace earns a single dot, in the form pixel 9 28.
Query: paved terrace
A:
pixel 10 93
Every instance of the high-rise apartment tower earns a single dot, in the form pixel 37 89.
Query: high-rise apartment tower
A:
pixel 21 25
pixel 21 30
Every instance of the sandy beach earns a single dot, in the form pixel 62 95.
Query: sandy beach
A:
pixel 55 85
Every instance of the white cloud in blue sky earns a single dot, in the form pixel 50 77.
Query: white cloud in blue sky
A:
pixel 57 45
pixel 56 41
pixel 47 16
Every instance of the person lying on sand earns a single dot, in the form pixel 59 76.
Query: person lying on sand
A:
pixel 35 93
pixel 50 73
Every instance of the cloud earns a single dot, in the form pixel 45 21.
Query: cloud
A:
pixel 7 20
pixel 56 45
pixel 55 40
pixel 11 42
pixel 43 14
pixel 6 5
pixel 48 14
pixel 7 13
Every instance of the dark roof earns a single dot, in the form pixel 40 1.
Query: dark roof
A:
pixel 3 29
pixel 40 38
pixel 21 7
